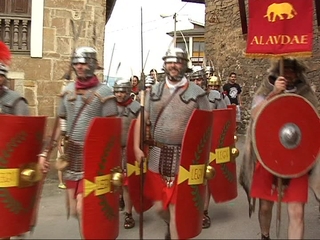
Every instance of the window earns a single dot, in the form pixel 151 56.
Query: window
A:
pixel 15 27
pixel 181 45
pixel 198 47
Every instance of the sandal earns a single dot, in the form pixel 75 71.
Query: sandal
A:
pixel 206 221
pixel 128 221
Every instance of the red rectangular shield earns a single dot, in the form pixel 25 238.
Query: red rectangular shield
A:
pixel 280 28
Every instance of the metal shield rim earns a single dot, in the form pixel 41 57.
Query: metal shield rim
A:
pixel 254 143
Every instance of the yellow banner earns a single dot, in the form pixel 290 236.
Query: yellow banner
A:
pixel 101 185
pixel 195 175
pixel 9 177
pixel 221 155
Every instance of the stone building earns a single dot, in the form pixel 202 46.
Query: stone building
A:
pixel 225 46
pixel 42 35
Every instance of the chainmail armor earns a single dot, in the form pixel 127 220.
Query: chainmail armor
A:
pixel 101 104
pixel 165 160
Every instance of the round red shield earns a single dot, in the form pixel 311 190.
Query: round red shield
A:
pixel 286 136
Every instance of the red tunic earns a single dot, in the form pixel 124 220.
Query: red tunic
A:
pixel 156 189
pixel 264 186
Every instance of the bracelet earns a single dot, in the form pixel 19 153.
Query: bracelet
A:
pixel 44 155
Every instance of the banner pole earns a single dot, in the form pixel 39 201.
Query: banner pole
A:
pixel 281 67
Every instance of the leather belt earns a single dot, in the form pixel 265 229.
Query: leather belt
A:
pixel 153 143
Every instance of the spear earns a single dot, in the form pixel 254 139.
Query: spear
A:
pixel 110 62
pixel 142 135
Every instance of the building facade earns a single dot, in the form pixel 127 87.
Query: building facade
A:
pixel 42 35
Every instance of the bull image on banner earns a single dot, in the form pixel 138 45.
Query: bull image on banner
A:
pixel 20 142
pixel 287 28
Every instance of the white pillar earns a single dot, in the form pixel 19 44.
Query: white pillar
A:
pixel 36 46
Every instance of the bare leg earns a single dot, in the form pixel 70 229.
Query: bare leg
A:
pixel 173 227
pixel 79 208
pixel 265 216
pixel 75 207
pixel 60 177
pixel 128 220
pixel 296 220
pixel 207 199
pixel 72 202
pixel 206 221
pixel 164 214
pixel 127 200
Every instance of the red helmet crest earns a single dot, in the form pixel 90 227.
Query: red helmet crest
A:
pixel 5 54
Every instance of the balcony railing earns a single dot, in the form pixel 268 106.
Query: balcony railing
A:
pixel 15 33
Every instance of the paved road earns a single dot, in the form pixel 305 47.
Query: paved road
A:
pixel 229 220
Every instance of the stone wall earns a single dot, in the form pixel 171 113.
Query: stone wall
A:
pixel 41 79
pixel 225 46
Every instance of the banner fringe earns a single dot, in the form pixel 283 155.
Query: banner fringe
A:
pixel 273 55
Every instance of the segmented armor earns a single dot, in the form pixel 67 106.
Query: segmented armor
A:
pixel 217 100
pixel 100 103
pixel 127 114
pixel 12 103
pixel 167 132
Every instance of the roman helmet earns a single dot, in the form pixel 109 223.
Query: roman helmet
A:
pixel 209 71
pixel 179 56
pixel 3 70
pixel 122 85
pixel 197 73
pixel 214 81
pixel 86 55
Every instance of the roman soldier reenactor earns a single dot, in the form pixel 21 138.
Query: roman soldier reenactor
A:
pixel 81 101
pixel 169 106
pixel 128 109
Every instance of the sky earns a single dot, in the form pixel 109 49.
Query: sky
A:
pixel 123 33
